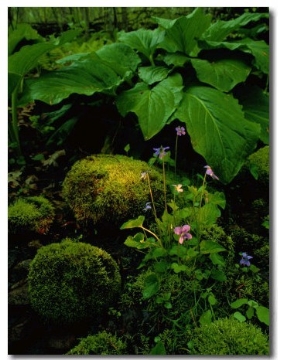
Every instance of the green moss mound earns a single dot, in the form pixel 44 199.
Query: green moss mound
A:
pixel 109 188
pixel 34 213
pixel 72 281
pixel 259 164
pixel 229 337
pixel 103 343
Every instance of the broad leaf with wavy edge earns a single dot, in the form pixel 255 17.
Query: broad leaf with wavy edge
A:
pixel 258 49
pixel 182 32
pixel 256 108
pixel 153 74
pixel 221 29
pixel 153 106
pixel 223 74
pixel 143 40
pixel 218 129
pixel 88 75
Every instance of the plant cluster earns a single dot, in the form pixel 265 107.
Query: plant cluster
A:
pixel 200 286
pixel 183 268
pixel 190 69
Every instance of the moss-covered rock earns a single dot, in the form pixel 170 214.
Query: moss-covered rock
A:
pixel 109 188
pixel 259 164
pixel 103 343
pixel 229 337
pixel 72 281
pixel 34 213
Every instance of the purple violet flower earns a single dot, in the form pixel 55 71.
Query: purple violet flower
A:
pixel 245 259
pixel 183 231
pixel 180 130
pixel 161 152
pixel 210 172
pixel 147 207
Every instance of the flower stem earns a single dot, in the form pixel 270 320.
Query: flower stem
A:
pixel 176 144
pixel 151 195
pixel 164 179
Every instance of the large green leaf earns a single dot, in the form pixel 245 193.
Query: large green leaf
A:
pixel 23 31
pixel 222 74
pixel 153 106
pixel 23 61
pixel 86 76
pixel 120 57
pixel 153 74
pixel 176 59
pixel 259 50
pixel 142 40
pixel 221 29
pixel 218 130
pixel 181 33
pixel 256 108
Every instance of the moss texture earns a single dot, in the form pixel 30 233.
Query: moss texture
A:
pixel 260 163
pixel 109 188
pixel 229 337
pixel 72 281
pixel 34 213
pixel 103 343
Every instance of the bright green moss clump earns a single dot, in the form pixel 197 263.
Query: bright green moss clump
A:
pixel 109 188
pixel 259 164
pixel 102 343
pixel 72 281
pixel 34 213
pixel 229 337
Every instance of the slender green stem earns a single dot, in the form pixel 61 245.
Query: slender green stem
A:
pixel 176 145
pixel 15 126
pixel 199 218
pixel 151 195
pixel 164 179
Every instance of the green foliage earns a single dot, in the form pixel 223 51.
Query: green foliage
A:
pixel 72 281
pixel 261 312
pixel 103 343
pixel 21 63
pixel 228 337
pixel 190 69
pixel 108 188
pixel 178 277
pixel 34 213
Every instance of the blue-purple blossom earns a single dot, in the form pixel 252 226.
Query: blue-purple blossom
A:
pixel 161 152
pixel 210 172
pixel 147 207
pixel 245 259
pixel 183 231
pixel 180 130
